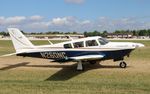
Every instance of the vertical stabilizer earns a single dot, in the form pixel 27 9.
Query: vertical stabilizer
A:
pixel 20 42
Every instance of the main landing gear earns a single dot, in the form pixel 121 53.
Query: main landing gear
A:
pixel 80 66
pixel 123 64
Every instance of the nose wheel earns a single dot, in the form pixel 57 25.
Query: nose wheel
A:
pixel 123 64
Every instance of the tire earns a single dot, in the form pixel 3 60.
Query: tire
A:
pixel 123 64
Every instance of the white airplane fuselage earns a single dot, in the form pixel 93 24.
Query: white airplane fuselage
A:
pixel 110 50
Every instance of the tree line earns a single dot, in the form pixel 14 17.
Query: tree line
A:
pixel 143 32
pixel 53 32
pixel 40 33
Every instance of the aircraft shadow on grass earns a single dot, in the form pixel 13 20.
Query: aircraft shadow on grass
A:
pixel 14 66
pixel 70 72
pixel 67 72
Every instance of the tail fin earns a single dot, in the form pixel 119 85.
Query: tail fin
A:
pixel 20 42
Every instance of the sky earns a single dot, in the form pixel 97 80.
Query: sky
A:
pixel 74 15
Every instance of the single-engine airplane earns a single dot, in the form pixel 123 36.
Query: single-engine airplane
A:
pixel 90 49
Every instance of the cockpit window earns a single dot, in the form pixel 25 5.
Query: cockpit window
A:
pixel 78 44
pixel 103 41
pixel 68 45
pixel 91 43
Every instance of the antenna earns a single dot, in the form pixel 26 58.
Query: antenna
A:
pixel 50 42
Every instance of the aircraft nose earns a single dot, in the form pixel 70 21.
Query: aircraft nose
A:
pixel 139 45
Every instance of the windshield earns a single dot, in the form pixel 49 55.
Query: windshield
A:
pixel 103 41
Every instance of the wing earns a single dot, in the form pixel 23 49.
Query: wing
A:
pixel 87 57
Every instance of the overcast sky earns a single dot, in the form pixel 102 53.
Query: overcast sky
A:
pixel 74 15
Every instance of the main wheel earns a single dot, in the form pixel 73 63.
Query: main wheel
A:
pixel 123 64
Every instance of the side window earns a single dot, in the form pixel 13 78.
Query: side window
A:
pixel 68 45
pixel 91 43
pixel 78 44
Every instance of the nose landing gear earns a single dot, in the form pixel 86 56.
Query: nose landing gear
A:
pixel 123 64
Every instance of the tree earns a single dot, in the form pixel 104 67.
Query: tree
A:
pixel 148 31
pixel 96 33
pixel 4 33
pixel 85 34
pixel 140 33
pixel 134 33
pixel 74 32
pixel 104 34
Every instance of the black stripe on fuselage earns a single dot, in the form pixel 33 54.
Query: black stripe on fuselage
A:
pixel 58 55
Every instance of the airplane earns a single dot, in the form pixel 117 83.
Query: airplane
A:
pixel 89 49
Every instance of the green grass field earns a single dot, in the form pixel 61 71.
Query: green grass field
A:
pixel 38 76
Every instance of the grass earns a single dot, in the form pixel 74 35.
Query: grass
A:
pixel 35 76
